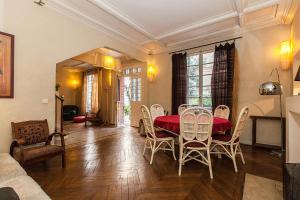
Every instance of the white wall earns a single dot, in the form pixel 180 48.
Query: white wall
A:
pixel 257 54
pixel 43 38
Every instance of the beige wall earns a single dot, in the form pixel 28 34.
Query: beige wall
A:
pixel 43 38
pixel 296 44
pixel 257 54
pixel 72 93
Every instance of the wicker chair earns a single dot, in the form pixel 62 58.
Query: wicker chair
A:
pixel 195 137
pixel 33 140
pixel 222 111
pixel 229 145
pixel 156 140
pixel 157 110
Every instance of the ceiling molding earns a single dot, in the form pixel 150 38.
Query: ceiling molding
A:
pixel 68 11
pixel 121 16
pixel 200 24
pixel 240 17
pixel 260 6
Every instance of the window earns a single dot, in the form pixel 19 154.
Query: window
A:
pixel 199 70
pixel 89 90
pixel 132 70
pixel 136 89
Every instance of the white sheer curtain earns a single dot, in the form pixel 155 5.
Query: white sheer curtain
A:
pixel 90 92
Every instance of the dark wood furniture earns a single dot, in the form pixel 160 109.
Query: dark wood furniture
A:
pixel 32 133
pixel 291 181
pixel 61 103
pixel 94 118
pixel 254 132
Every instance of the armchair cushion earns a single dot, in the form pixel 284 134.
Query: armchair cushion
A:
pixel 41 151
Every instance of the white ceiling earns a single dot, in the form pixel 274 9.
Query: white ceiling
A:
pixel 161 25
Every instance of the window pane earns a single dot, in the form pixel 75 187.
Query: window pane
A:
pixel 139 69
pixel 208 57
pixel 193 60
pixel 134 70
pixel 206 80
pixel 193 92
pixel 206 91
pixel 194 101
pixel 207 102
pixel 193 71
pixel 207 69
pixel 193 81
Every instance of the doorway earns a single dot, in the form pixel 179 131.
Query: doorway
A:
pixel 132 93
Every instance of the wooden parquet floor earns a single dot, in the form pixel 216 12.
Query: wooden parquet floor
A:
pixel 114 168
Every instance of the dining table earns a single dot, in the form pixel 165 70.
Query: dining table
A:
pixel 171 123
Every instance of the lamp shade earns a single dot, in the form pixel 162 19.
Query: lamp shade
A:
pixel 297 78
pixel 270 88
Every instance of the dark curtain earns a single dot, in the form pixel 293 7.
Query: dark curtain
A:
pixel 222 77
pixel 179 81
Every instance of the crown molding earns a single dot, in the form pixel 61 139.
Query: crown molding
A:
pixel 260 6
pixel 220 35
pixel 200 24
pixel 121 16
pixel 62 8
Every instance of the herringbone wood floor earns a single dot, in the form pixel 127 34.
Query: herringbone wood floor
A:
pixel 114 168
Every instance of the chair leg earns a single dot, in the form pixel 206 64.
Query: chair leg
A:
pixel 145 145
pixel 241 154
pixel 209 164
pixel 180 160
pixel 173 149
pixel 153 152
pixel 63 160
pixel 233 159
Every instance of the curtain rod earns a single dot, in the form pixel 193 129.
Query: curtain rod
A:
pixel 206 45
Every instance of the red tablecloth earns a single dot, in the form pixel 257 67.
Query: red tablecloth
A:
pixel 172 123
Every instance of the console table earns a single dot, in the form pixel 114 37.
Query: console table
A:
pixel 254 133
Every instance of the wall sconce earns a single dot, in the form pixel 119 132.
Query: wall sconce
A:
pixel 74 83
pixel 151 72
pixel 285 54
pixel 108 62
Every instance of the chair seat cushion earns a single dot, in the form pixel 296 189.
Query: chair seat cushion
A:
pixel 79 119
pixel 41 151
pixel 163 134
pixel 194 144
pixel 223 137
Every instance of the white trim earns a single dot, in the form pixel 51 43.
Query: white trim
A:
pixel 121 16
pixel 261 6
pixel 200 24
pixel 109 31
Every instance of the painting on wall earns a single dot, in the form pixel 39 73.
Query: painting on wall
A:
pixel 6 65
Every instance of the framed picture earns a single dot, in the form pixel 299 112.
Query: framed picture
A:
pixel 6 65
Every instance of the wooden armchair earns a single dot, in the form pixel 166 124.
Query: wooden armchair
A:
pixel 27 134
pixel 94 118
